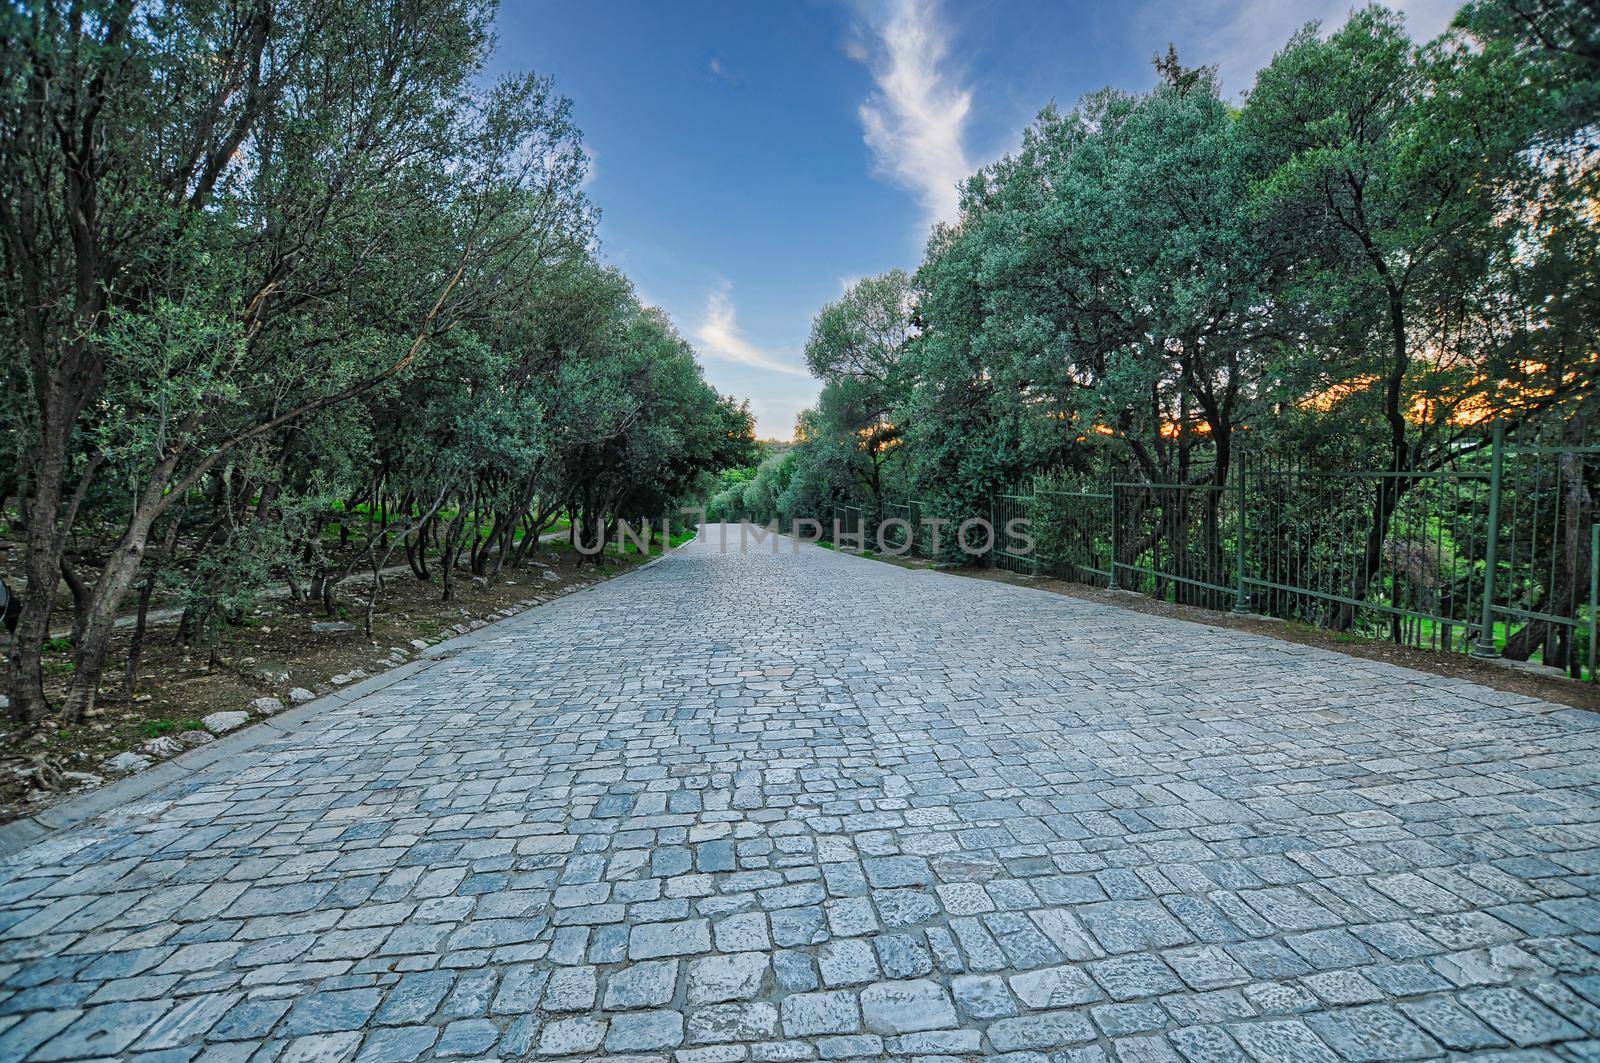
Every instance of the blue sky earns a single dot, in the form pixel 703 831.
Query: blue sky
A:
pixel 751 158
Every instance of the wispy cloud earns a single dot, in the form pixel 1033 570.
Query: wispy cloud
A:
pixel 720 71
pixel 915 123
pixel 1242 36
pixel 719 336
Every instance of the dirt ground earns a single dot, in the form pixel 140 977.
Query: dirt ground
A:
pixel 273 652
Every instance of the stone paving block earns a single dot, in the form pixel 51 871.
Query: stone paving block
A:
pixel 249 1020
pixel 332 1011
pixel 571 1037
pixel 906 1007
pixel 1121 1020
pixel 1341 988
pixel 570 989
pixel 102 1031
pixel 846 963
pixel 1519 1017
pixel 322 1048
pixel 1131 977
pixel 1451 1025
pixel 641 985
pixel 733 1022
pixel 684 938
pixel 1281 1039
pixel 835 1012
pixel 1041 1030
pixel 1207 1044
pixel 189 1021
pixel 397 1044
pixel 642 1031
pixel 1372 1034
pixel 737 976
pixel 743 932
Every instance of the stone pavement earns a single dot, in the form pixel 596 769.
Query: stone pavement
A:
pixel 816 807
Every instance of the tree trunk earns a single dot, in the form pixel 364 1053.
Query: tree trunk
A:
pixel 42 565
pixel 80 596
pixel 89 655
pixel 130 672
pixel 1572 574
pixel 130 675
pixel 450 552
pixel 374 591
pixel 417 552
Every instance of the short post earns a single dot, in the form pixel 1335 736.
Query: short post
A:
pixel 1485 646
pixel 1241 599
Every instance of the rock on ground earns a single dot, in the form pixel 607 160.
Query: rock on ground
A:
pixel 126 763
pixel 222 722
pixel 164 746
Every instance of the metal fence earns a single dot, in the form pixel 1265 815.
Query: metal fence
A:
pixel 1378 554
pixel 1496 551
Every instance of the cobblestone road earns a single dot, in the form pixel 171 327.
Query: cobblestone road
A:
pixel 816 807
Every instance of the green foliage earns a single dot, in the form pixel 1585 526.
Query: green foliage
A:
pixel 1383 249
pixel 753 493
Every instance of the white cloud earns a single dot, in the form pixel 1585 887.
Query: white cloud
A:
pixel 719 337
pixel 775 416
pixel 916 120
pixel 1242 36
pixel 720 71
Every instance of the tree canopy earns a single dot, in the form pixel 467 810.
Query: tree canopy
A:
pixel 271 268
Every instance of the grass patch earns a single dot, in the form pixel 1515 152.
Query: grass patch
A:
pixel 157 728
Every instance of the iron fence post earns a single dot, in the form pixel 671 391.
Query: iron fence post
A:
pixel 1485 646
pixel 1033 507
pixel 1594 597
pixel 1116 537
pixel 988 561
pixel 1241 600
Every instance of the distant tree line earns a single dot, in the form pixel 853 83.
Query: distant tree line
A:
pixel 286 289
pixel 1383 250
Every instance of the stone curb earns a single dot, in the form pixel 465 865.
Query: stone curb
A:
pixel 233 748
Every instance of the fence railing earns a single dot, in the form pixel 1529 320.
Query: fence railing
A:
pixel 1494 551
